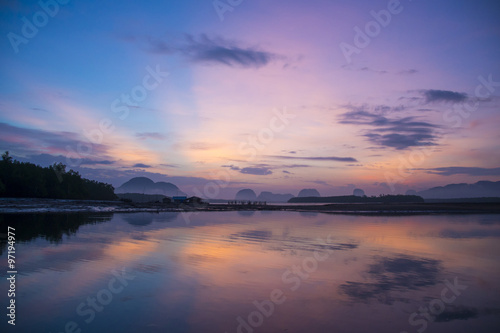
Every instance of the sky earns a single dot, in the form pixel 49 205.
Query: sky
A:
pixel 216 96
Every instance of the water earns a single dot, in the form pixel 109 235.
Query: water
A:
pixel 253 272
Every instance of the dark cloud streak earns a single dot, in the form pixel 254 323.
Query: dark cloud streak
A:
pixel 258 170
pixel 141 165
pixel 470 171
pixel 446 96
pixel 209 50
pixel 395 133
pixel 221 51
pixel 314 158
pixel 150 135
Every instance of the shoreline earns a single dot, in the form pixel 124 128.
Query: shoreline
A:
pixel 30 205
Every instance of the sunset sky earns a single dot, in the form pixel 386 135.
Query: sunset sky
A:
pixel 269 95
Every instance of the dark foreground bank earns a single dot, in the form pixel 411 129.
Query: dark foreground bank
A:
pixel 15 205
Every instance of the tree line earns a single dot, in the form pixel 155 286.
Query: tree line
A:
pixel 383 198
pixel 27 180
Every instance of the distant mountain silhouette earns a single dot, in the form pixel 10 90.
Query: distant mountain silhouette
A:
pixel 147 186
pixel 455 191
pixel 466 200
pixel 358 192
pixel 308 192
pixel 359 199
pixel 272 197
pixel 246 194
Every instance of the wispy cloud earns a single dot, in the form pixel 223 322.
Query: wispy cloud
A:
pixel 220 51
pixel 401 141
pixel 169 165
pixel 209 50
pixel 364 69
pixel 33 141
pixel 203 146
pixel 292 166
pixel 367 69
pixel 396 133
pixel 408 72
pixel 256 171
pixel 141 165
pixel 47 159
pixel 159 47
pixel 119 176
pixel 378 71
pixel 232 167
pixel 259 170
pixel 443 96
pixel 314 158
pixel 150 135
pixel 382 109
pixel 319 182
pixel 470 171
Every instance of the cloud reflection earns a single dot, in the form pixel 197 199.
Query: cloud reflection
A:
pixel 400 273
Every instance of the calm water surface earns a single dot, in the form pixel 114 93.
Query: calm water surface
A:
pixel 253 272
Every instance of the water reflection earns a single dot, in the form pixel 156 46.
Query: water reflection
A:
pixel 246 213
pixel 51 227
pixel 402 274
pixel 226 271
pixel 308 214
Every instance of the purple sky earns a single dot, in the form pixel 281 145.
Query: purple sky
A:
pixel 271 95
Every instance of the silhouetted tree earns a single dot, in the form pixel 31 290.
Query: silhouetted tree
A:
pixel 29 180
pixel 6 157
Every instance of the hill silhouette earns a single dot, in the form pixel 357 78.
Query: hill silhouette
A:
pixel 480 189
pixel 145 185
pixel 246 194
pixel 358 192
pixel 357 199
pixel 309 192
